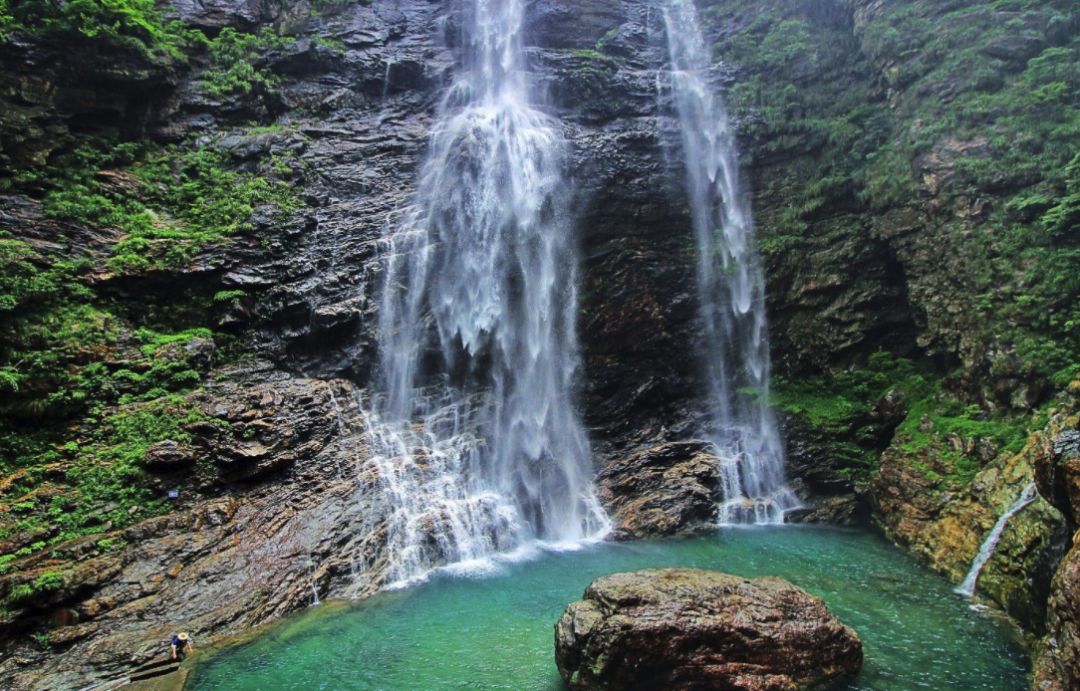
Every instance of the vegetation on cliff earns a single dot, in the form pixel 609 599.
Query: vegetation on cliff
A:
pixel 97 378
pixel 929 421
pixel 91 378
pixel 959 121
pixel 139 24
pixel 966 113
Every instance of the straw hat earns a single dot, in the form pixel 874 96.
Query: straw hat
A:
pixel 183 636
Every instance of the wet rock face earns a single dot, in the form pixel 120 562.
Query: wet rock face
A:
pixel 662 490
pixel 638 325
pixel 695 629
pixel 1057 473
pixel 1057 659
pixel 45 86
pixel 217 14
pixel 236 552
pixel 918 507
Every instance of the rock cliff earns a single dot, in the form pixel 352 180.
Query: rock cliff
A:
pixel 190 232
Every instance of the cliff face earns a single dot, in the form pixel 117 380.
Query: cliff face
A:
pixel 182 420
pixel 914 194
pixel 205 437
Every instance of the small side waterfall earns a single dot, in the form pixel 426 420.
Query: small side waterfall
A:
pixel 731 290
pixel 967 588
pixel 475 437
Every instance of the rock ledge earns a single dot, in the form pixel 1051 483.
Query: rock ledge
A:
pixel 695 629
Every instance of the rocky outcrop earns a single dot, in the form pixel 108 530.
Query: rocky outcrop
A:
pixel 1057 660
pixel 1056 458
pixel 234 553
pixel 920 508
pixel 663 490
pixel 688 628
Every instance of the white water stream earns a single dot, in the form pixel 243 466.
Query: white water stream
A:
pixel 731 291
pixel 475 438
pixel 967 588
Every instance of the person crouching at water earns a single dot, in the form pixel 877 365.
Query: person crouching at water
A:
pixel 182 646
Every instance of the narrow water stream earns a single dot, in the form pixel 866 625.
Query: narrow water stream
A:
pixel 495 631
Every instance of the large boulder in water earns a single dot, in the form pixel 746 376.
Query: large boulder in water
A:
pixel 695 629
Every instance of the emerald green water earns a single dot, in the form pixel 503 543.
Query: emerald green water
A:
pixel 496 632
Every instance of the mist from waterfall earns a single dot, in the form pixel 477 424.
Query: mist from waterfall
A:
pixel 731 291
pixel 475 437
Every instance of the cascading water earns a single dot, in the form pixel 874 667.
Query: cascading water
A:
pixel 475 438
pixel 1027 496
pixel 730 286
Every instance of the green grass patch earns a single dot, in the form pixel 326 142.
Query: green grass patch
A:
pixel 937 430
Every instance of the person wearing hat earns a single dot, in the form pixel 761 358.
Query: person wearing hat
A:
pixel 182 646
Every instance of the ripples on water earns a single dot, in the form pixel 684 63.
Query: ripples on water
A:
pixel 496 631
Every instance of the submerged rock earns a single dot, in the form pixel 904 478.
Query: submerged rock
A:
pixel 690 628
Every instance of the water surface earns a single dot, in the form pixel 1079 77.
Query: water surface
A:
pixel 496 631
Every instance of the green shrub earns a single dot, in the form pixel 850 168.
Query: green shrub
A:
pixel 22 593
pixel 233 56
pixel 134 23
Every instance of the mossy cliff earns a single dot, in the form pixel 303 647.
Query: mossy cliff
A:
pixel 150 205
pixel 189 276
pixel 915 177
pixel 915 183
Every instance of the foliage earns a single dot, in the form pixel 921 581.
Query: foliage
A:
pixel 799 91
pixel 1021 116
pixel 137 24
pixel 331 43
pixel 7 20
pixel 23 592
pixel 55 341
pixel 87 391
pixel 934 425
pixel 183 199
pixel 233 56
pixel 984 91
pixel 835 400
pixel 101 468
pixel 226 296
pixel 109 486
pixel 91 380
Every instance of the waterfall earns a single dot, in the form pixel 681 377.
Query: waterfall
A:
pixel 474 436
pixel 731 291
pixel 1028 495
